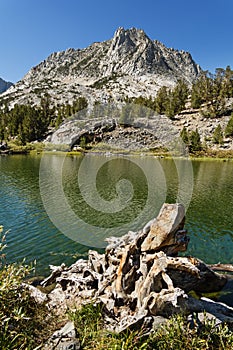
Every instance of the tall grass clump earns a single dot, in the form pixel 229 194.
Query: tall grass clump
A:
pixel 176 334
pixel 22 320
pixel 179 334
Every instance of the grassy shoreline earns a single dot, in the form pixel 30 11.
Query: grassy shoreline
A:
pixel 38 148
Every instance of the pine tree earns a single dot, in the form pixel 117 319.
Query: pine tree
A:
pixel 195 141
pixel 196 94
pixel 229 127
pixel 210 89
pixel 176 99
pixel 185 135
pixel 161 100
pixel 218 135
pixel 59 119
pixel 180 95
pixel 228 82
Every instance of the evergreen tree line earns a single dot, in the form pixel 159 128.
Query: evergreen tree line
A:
pixel 30 123
pixel 210 93
pixel 191 139
pixel 27 123
pixel 167 101
pixel 67 110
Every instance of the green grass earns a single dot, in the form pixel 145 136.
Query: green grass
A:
pixel 177 334
pixel 36 147
pixel 210 153
pixel 39 147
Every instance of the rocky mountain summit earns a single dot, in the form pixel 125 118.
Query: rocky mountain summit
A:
pixel 106 77
pixel 4 85
pixel 128 65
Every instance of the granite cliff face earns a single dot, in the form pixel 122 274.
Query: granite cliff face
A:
pixel 130 64
pixel 132 52
pixel 4 85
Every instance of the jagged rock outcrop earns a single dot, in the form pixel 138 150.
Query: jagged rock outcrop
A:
pixel 4 85
pixel 129 64
pixel 132 52
pixel 140 277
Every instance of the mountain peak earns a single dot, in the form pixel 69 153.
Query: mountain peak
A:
pixel 130 64
pixel 129 37
pixel 131 31
pixel 134 53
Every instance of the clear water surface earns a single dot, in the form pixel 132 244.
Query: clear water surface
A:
pixel 134 188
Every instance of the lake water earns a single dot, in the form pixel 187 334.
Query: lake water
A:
pixel 57 207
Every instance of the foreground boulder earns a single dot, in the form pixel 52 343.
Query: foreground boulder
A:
pixel 140 277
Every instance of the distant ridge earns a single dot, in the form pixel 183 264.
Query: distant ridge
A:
pixel 4 85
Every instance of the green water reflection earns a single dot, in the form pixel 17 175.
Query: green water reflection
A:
pixel 32 235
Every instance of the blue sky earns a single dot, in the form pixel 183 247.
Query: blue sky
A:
pixel 32 29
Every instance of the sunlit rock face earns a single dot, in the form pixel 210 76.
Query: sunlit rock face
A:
pixel 128 65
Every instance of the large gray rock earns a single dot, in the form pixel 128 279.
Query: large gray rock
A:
pixel 166 231
pixel 135 285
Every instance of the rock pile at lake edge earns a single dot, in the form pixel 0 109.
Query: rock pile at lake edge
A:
pixel 140 280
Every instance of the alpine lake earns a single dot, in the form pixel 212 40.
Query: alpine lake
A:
pixel 56 207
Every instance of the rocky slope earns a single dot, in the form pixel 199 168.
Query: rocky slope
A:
pixel 146 131
pixel 129 64
pixel 4 85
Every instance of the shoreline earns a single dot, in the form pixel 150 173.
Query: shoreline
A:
pixel 210 154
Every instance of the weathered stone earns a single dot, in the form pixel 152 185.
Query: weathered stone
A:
pixel 63 339
pixel 4 85
pixel 39 296
pixel 219 311
pixel 96 261
pixel 56 271
pixel 221 267
pixel 158 321
pixel 137 279
pixel 203 279
pixel 166 231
